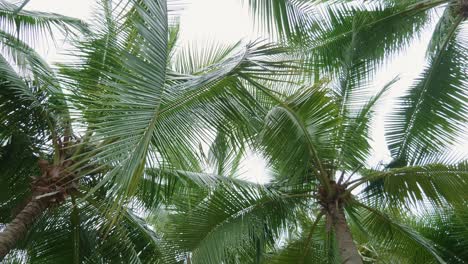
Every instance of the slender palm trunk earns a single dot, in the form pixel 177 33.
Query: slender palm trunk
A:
pixel 54 185
pixel 18 228
pixel 347 248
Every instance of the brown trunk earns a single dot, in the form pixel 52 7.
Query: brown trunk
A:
pixel 348 251
pixel 18 228
pixel 53 186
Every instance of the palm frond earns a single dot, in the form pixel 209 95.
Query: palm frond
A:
pixel 225 154
pixel 247 215
pixel 428 119
pixel 17 164
pixel 303 119
pixel 448 230
pixel 161 185
pixel 309 247
pixel 23 104
pixel 32 66
pixel 30 26
pixel 281 18
pixel 437 183
pixel 355 145
pixel 195 58
pixel 383 28
pixel 52 238
pixel 134 146
pixel 219 92
pixel 397 241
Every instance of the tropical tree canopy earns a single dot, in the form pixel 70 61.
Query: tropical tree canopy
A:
pixel 132 151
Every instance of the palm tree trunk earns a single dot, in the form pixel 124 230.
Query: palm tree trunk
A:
pixel 18 228
pixel 347 249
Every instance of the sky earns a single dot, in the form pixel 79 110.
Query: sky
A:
pixel 228 21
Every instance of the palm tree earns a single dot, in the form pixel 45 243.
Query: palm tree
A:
pixel 26 83
pixel 128 107
pixel 316 139
pixel 312 211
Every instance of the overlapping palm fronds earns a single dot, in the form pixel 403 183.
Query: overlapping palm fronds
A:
pixel 152 136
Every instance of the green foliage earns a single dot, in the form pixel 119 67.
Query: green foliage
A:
pixel 430 116
pixel 406 186
pixel 29 26
pixel 448 230
pixel 161 132
pixel 251 216
pixel 55 237
pixel 19 163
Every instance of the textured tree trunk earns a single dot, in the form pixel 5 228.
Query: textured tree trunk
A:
pixel 348 250
pixel 18 228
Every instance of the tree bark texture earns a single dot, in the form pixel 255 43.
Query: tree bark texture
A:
pixel 19 227
pixel 346 246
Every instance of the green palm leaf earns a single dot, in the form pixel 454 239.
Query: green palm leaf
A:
pixel 448 230
pixel 282 18
pixel 52 238
pixel 30 25
pixel 341 30
pixel 310 247
pixel 246 214
pixel 134 146
pixel 305 118
pixel 404 244
pixel 428 118
pixel 435 182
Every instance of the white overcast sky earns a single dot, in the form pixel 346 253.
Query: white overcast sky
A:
pixel 228 21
